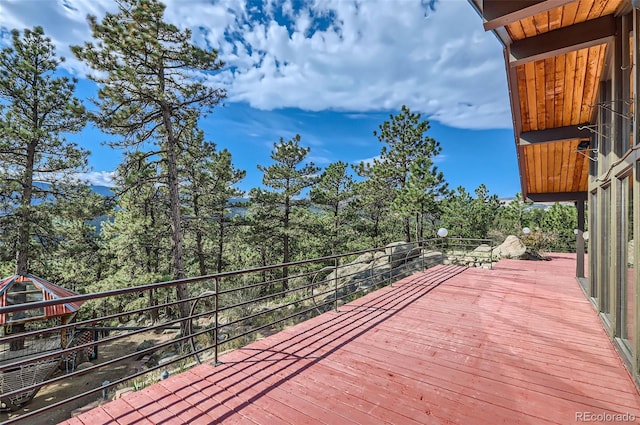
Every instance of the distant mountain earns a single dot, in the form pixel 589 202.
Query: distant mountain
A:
pixel 102 190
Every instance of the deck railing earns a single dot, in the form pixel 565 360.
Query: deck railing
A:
pixel 226 311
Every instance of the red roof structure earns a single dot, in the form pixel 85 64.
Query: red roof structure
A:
pixel 18 289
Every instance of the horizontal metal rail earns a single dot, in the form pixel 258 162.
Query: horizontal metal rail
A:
pixel 232 308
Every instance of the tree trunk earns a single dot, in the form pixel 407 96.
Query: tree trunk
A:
pixel 177 249
pixel 24 241
pixel 285 245
pixel 202 264
pixel 407 229
pixel 334 243
pixel 220 241
pixel 24 232
pixel 153 313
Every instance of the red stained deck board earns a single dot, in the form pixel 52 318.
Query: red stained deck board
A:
pixel 74 421
pixel 236 410
pixel 516 344
pixel 322 389
pixel 196 392
pixel 123 413
pixel 153 404
pixel 96 416
pixel 378 386
pixel 243 399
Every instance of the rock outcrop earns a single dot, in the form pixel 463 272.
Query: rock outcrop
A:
pixel 368 270
pixel 512 247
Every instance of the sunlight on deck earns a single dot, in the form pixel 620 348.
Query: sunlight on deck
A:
pixel 517 344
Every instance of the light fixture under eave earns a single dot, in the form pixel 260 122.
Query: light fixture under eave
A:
pixel 584 150
pixel 584 145
pixel 635 3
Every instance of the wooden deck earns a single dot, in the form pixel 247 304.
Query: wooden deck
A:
pixel 519 344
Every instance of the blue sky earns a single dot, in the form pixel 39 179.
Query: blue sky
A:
pixel 329 70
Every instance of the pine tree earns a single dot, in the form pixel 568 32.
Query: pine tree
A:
pixel 456 217
pixel 421 196
pixel 405 143
pixel 373 218
pixel 273 211
pixel 208 191
pixel 332 193
pixel 153 88
pixel 137 234
pixel 37 164
pixel 484 210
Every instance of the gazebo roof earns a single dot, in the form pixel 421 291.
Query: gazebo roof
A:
pixel 18 289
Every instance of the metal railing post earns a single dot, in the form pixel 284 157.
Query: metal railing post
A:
pixel 390 261
pixel 215 326
pixel 335 280
pixel 372 270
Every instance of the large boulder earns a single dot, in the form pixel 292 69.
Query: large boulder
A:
pixel 400 252
pixel 512 247
pixel 484 248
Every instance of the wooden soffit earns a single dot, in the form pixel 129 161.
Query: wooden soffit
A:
pixel 556 167
pixel 560 91
pixel 500 13
pixel 564 40
pixel 555 57
pixel 568 14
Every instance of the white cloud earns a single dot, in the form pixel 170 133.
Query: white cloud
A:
pixel 98 178
pixel 367 161
pixel 329 54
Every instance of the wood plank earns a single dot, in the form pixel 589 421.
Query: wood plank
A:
pixel 570 171
pixel 122 412
pixel 584 8
pixel 529 27
pixel 564 161
pixel 558 91
pixel 558 165
pixel 555 18
pixel 516 30
pixel 564 40
pixel 550 92
pixel 540 168
pixel 580 162
pixel 559 197
pixel 523 98
pixel 612 6
pixel 499 13
pixel 532 104
pixel 530 166
pixel 569 82
pixel 595 63
pixel 548 157
pixel 578 88
pixel 516 344
pixel 597 10
pixel 541 21
pixel 541 105
pixel 569 12
pixel 565 157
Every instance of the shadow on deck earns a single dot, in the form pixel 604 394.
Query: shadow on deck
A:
pixel 515 345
